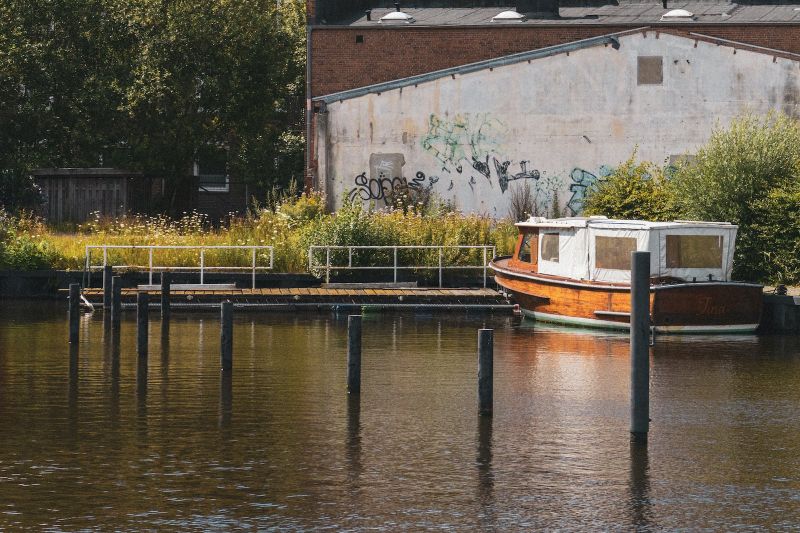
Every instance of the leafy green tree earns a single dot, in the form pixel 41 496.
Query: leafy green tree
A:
pixel 634 190
pixel 748 174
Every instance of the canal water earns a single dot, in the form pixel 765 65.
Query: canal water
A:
pixel 94 440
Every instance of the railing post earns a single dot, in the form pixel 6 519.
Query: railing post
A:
pixel 640 351
pixel 142 329
pixel 254 267
pixel 484 267
pixel 327 264
pixel 202 264
pixel 485 371
pixel 150 263
pixel 440 267
pixel 349 257
pixel 395 263
pixel 74 312
pixel 107 275
pixel 226 336
pixel 354 354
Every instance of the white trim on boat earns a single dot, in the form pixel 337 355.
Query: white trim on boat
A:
pixel 609 324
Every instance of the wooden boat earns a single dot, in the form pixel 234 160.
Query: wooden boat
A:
pixel 577 271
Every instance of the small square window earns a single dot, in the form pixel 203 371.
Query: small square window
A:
pixel 359 39
pixel 550 247
pixel 650 70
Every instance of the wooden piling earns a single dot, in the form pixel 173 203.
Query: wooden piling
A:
pixel 142 330
pixel 640 351
pixel 226 335
pixel 116 300
pixel 485 371
pixel 74 312
pixel 165 288
pixel 354 354
pixel 108 273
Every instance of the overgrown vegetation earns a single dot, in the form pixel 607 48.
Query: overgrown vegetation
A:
pixel 747 174
pixel 291 224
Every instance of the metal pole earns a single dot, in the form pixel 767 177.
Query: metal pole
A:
pixel 327 265
pixel 150 262
pixel 166 284
pixel 640 352
pixel 74 312
pixel 354 354
pixel 440 267
pixel 484 267
pixel 202 264
pixel 108 273
pixel 226 335
pixel 142 304
pixel 116 300
pixel 485 371
pixel 395 264
pixel 254 267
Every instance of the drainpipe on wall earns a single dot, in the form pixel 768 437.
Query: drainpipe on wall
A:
pixel 310 177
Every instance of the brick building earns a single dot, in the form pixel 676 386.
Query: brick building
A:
pixel 352 45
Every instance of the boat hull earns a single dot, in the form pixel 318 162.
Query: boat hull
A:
pixel 708 307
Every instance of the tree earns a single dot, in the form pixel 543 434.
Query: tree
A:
pixel 748 174
pixel 634 190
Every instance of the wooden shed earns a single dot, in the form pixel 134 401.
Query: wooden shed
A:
pixel 75 194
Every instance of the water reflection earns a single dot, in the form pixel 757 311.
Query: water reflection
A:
pixel 485 473
pixel 225 398
pixel 353 443
pixel 72 402
pixel 639 482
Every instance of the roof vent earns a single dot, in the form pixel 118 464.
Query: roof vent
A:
pixel 677 15
pixel 509 16
pixel 396 17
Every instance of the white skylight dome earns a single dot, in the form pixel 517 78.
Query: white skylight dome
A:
pixel 396 17
pixel 677 15
pixel 509 16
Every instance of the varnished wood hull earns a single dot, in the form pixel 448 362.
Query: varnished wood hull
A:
pixel 718 307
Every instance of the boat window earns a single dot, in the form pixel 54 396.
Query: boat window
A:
pixel 614 252
pixel 550 247
pixel 525 248
pixel 694 251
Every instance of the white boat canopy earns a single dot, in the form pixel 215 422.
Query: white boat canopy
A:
pixel 598 248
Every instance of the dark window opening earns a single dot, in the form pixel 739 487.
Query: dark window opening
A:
pixel 359 39
pixel 525 248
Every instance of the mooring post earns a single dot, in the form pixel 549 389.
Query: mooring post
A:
pixel 142 305
pixel 165 288
pixel 108 273
pixel 640 351
pixel 74 312
pixel 226 335
pixel 485 371
pixel 116 300
pixel 354 354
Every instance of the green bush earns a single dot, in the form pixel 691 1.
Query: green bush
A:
pixel 776 233
pixel 21 245
pixel 746 174
pixel 633 191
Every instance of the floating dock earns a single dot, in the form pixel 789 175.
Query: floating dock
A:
pixel 321 298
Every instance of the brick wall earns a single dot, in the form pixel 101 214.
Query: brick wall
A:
pixel 339 63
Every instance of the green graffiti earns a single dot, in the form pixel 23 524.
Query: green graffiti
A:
pixel 466 141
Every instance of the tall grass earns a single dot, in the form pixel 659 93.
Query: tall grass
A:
pixel 290 224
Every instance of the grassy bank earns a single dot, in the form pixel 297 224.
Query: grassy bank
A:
pixel 290 227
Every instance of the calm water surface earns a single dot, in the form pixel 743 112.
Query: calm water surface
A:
pixel 94 440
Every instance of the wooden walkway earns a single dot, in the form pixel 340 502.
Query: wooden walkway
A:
pixel 323 298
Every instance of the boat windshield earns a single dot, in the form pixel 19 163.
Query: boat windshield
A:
pixel 525 248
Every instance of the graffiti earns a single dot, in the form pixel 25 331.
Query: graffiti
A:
pixel 503 177
pixel 469 139
pixel 582 182
pixel 386 190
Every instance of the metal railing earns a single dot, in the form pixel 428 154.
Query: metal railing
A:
pixel 487 251
pixel 202 267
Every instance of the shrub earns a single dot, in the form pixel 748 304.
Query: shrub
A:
pixel 776 233
pixel 634 190
pixel 743 175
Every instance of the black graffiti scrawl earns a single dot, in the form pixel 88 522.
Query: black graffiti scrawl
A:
pixel 503 177
pixel 386 180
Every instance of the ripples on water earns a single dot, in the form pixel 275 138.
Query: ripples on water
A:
pixel 93 439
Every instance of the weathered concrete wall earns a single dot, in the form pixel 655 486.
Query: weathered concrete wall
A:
pixel 557 123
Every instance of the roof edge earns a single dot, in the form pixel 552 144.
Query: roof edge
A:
pixel 610 38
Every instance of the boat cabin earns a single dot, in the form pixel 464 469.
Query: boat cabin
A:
pixel 599 249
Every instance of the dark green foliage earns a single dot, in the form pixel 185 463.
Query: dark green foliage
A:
pixel 18 191
pixel 635 190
